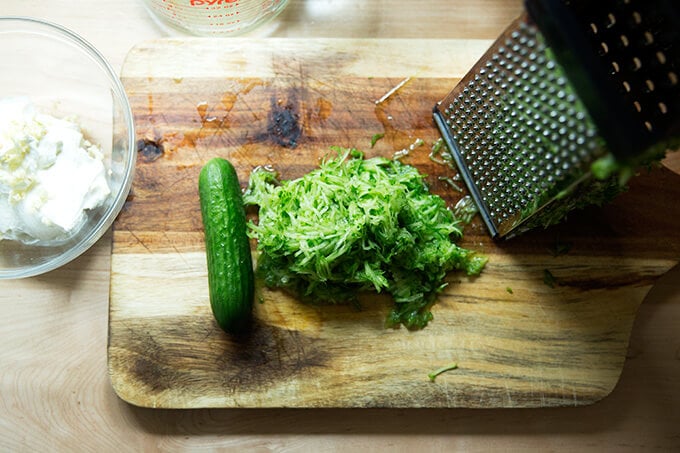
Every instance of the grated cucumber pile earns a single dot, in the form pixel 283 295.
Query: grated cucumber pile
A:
pixel 356 225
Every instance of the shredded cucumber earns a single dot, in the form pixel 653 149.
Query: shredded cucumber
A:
pixel 354 225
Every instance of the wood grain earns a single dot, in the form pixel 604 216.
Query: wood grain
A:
pixel 528 346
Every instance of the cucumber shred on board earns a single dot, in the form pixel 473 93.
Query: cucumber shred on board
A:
pixel 355 225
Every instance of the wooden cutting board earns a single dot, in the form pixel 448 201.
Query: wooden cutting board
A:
pixel 518 342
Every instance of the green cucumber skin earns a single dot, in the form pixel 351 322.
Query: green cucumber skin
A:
pixel 230 266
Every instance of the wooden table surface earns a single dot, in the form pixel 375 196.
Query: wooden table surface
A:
pixel 55 393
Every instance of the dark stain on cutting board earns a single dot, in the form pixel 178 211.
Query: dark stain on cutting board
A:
pixel 284 121
pixel 266 355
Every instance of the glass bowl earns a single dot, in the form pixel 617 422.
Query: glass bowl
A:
pixel 66 77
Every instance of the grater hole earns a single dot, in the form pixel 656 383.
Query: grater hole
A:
pixel 604 48
pixel 648 125
pixel 662 108
pixel 624 40
pixel 637 106
pixel 649 38
pixel 637 63
pixel 593 28
pixel 637 18
pixel 626 86
pixel 673 78
pixel 649 84
pixel 615 66
pixel 611 20
pixel 661 57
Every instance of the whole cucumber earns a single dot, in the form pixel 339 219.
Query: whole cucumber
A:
pixel 230 268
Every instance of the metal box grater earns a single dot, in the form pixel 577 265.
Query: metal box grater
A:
pixel 570 87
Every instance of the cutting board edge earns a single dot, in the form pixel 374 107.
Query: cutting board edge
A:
pixel 121 383
pixel 134 400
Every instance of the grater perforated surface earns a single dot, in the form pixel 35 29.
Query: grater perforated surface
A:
pixel 623 58
pixel 629 38
pixel 517 129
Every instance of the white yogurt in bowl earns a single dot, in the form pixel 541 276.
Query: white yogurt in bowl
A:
pixel 50 175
